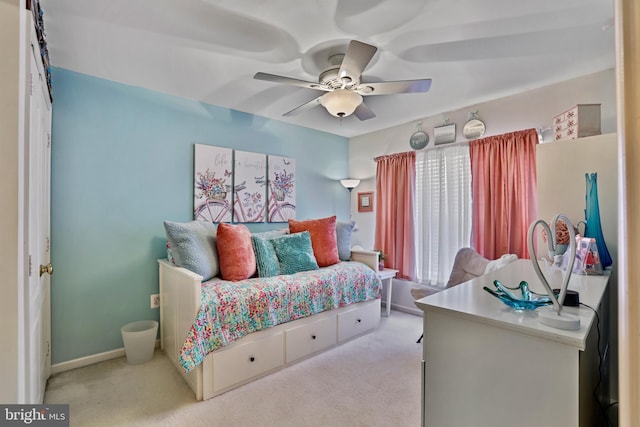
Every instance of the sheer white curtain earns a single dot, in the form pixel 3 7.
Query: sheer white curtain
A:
pixel 443 210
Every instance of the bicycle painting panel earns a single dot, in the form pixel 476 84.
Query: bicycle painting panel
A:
pixel 249 175
pixel 212 183
pixel 282 189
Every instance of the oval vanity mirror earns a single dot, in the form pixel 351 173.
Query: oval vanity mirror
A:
pixel 473 129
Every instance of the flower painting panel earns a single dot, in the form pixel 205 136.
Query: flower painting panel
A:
pixel 249 177
pixel 282 189
pixel 212 183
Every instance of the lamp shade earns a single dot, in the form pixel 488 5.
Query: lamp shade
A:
pixel 349 184
pixel 341 102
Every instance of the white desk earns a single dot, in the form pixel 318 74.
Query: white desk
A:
pixel 485 364
pixel 386 276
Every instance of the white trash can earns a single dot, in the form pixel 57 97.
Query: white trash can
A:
pixel 139 340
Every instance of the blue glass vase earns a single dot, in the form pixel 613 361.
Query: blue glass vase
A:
pixel 593 226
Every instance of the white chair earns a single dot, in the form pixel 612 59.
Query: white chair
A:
pixel 467 264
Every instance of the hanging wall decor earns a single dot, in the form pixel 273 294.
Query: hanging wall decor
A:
pixel 241 186
pixel 249 178
pixel 444 134
pixel 419 139
pixel 281 189
pixel 474 128
pixel 365 201
pixel 212 196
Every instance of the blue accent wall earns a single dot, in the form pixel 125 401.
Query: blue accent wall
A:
pixel 122 163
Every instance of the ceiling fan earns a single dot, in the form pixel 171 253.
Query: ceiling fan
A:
pixel 341 82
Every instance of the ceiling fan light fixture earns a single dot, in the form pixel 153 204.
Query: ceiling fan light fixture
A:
pixel 341 102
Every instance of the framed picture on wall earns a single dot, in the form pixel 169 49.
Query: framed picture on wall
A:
pixel 365 201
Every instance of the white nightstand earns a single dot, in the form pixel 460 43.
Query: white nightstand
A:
pixel 386 276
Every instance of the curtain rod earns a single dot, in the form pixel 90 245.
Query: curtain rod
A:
pixel 429 148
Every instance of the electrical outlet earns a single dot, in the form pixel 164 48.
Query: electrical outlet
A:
pixel 155 300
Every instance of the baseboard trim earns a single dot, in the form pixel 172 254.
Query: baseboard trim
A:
pixel 90 360
pixel 411 310
pixel 86 361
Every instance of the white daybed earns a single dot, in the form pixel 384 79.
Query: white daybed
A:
pixel 261 352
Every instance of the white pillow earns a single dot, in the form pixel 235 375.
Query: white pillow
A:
pixel 500 262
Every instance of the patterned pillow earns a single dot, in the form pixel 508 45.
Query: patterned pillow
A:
pixel 237 260
pixel 323 238
pixel 193 246
pixel 343 238
pixel 170 256
pixel 295 253
pixel 266 258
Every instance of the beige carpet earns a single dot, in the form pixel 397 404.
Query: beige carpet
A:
pixel 371 381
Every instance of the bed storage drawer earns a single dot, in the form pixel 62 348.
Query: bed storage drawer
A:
pixel 245 361
pixel 359 319
pixel 310 337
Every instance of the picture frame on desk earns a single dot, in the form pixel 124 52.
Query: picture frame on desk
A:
pixel 365 201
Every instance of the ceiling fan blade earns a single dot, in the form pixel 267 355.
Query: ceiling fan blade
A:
pixel 356 59
pixel 289 81
pixel 363 112
pixel 304 107
pixel 388 88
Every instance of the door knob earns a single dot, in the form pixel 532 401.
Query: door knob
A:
pixel 46 269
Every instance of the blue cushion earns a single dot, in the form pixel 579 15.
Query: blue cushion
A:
pixel 295 253
pixel 193 245
pixel 343 237
pixel 266 258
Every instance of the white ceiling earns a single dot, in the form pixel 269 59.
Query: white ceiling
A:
pixel 209 50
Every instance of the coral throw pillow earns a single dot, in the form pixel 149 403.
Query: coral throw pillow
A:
pixel 237 260
pixel 323 238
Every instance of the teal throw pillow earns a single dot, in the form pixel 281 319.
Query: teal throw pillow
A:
pixel 343 237
pixel 193 246
pixel 295 253
pixel 266 258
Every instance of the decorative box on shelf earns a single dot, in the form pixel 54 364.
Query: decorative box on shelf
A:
pixel 576 122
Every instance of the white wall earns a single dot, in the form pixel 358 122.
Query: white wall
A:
pixel 532 109
pixel 9 194
pixel 561 189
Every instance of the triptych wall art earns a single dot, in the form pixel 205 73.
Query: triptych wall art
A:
pixel 241 186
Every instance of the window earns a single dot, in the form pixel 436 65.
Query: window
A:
pixel 443 211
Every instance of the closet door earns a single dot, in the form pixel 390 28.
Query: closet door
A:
pixel 38 318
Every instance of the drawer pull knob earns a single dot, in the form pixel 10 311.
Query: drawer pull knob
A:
pixel 252 359
pixel 313 337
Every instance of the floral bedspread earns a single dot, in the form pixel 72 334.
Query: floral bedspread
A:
pixel 231 310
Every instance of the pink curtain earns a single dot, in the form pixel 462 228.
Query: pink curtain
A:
pixel 503 176
pixel 395 185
